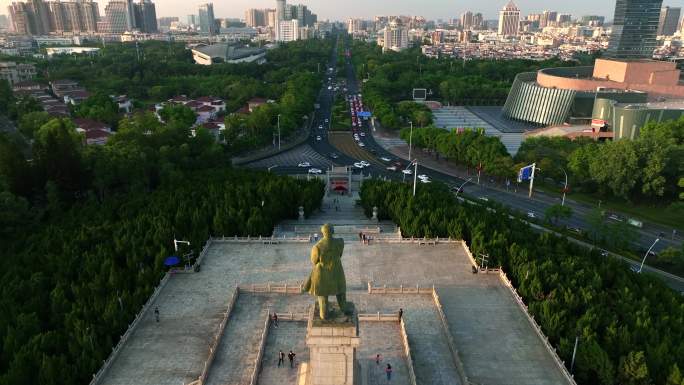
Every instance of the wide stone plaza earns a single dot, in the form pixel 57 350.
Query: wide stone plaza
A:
pixel 492 341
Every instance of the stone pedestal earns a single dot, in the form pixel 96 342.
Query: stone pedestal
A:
pixel 375 214
pixel 332 349
pixel 301 214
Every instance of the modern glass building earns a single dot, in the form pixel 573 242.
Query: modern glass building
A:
pixel 634 29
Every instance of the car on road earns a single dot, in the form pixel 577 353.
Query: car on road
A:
pixel 385 159
pixel 334 156
pixel 363 134
pixel 392 168
pixel 423 176
pixel 484 199
pixel 361 144
pixel 615 217
pixel 326 120
pixel 320 127
pixel 315 171
pixel 576 230
pixel 530 214
pixel 604 253
pixel 365 163
pixel 359 165
pixel 407 172
pixel 318 138
pixel 304 164
pixel 330 87
pixel 425 181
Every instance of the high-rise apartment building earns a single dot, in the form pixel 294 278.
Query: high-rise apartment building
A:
pixel 563 19
pixel 271 18
pixel 548 19
pixel 467 20
pixel 280 10
pixel 395 36
pixel 257 17
pixel 669 20
pixel 354 26
pixel 634 29
pixel 509 20
pixel 119 17
pixel 478 21
pixel 288 30
pixel 36 17
pixel 207 21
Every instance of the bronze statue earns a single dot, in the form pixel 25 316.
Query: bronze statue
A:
pixel 327 275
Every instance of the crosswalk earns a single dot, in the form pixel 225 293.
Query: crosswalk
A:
pixel 292 158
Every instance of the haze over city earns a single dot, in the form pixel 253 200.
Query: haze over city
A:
pixel 432 9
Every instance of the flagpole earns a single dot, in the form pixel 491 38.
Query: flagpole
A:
pixel 534 167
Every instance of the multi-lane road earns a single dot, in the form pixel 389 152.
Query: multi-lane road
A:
pixel 321 154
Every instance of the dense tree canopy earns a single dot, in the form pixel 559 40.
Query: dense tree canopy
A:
pixel 631 326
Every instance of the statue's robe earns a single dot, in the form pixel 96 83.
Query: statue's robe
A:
pixel 327 275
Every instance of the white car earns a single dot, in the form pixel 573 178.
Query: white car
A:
pixel 359 165
pixel 530 214
pixel 424 181
pixel 384 159
pixel 318 138
pixel 320 127
pixel 363 134
pixel 304 164
pixel 407 171
pixel 363 162
pixel 423 176
pixel 315 171
pixel 392 168
pixel 330 87
pixel 326 120
pixel 361 144
pixel 485 199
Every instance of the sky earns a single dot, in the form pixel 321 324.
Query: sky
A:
pixel 343 9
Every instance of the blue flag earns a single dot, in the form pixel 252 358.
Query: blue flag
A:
pixel 525 173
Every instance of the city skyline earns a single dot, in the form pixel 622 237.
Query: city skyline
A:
pixel 437 9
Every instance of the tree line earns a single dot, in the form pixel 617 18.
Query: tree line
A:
pixel 630 326
pixel 85 231
pixel 392 76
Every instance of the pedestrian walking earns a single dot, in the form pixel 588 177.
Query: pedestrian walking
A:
pixel 377 359
pixel 401 313
pixel 360 236
pixel 281 358
pixel 315 237
pixel 364 239
pixel 275 320
pixel 156 313
pixel 388 371
pixel 291 356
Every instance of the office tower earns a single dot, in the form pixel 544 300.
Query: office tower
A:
pixel 271 18
pixel 146 16
pixel 90 14
pixel 280 10
pixel 193 21
pixel 634 29
pixel 509 19
pixel 669 18
pixel 207 21
pixel 165 22
pixel 354 26
pixel 256 17
pixel 467 20
pixel 548 19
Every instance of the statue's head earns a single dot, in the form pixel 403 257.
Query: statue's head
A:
pixel 327 230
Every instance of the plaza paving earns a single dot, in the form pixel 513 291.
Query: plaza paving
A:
pixel 496 343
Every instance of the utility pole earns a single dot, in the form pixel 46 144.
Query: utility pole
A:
pixel 565 187
pixel 278 131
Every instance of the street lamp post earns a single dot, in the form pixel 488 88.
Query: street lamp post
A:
pixel 461 186
pixel 176 242
pixel 574 352
pixel 410 140
pixel 646 255
pixel 565 187
pixel 415 176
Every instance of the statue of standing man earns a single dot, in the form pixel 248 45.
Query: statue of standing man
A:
pixel 327 275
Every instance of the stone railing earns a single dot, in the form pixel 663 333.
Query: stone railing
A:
pixel 295 317
pixel 537 329
pixel 272 288
pixel 213 346
pixel 474 262
pixel 388 238
pixel 399 290
pixel 97 377
pixel 407 352
pixel 260 354
pixel 378 317
pixel 450 339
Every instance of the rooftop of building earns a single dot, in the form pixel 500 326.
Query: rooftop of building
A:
pixel 227 51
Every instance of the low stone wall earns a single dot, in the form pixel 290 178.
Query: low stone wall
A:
pixel 400 290
pixel 552 351
pixel 272 288
pixel 97 377
pixel 217 338
pixel 450 340
pixel 260 354
pixel 407 352
pixel 378 317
